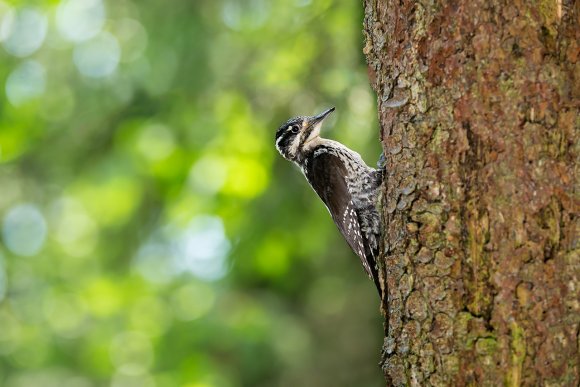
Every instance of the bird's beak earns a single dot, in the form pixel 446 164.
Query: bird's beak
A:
pixel 315 123
pixel 319 118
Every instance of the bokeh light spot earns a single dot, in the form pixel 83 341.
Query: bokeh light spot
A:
pixel 74 229
pixel 202 247
pixel 25 82
pixel 65 314
pixel 79 20
pixel 272 258
pixel 25 33
pixel 153 262
pixel 151 316
pixel 208 174
pixel 250 14
pixel 133 39
pixel 7 16
pixel 131 353
pixel 156 142
pixel 360 100
pixel 98 57
pixel 24 230
pixel 192 301
pixel 246 178
pixel 110 201
pixel 102 297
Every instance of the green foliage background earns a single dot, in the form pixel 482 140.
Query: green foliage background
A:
pixel 151 235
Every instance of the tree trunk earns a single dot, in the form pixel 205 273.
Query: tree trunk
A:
pixel 478 103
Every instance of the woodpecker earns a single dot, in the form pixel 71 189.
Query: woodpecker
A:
pixel 347 186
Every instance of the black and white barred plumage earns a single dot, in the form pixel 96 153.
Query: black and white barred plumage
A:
pixel 347 186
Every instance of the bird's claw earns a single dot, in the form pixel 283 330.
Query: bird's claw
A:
pixel 382 161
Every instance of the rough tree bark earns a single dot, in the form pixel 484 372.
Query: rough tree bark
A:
pixel 478 102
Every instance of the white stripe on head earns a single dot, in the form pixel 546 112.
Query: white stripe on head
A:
pixel 295 144
pixel 278 145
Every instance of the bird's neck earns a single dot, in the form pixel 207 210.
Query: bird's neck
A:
pixel 309 147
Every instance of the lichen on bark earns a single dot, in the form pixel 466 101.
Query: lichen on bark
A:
pixel 478 103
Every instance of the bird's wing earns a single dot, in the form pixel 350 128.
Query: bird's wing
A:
pixel 326 174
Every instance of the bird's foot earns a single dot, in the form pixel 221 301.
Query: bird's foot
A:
pixel 381 170
pixel 382 161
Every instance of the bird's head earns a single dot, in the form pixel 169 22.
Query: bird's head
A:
pixel 293 138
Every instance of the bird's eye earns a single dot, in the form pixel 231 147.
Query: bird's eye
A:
pixel 294 129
